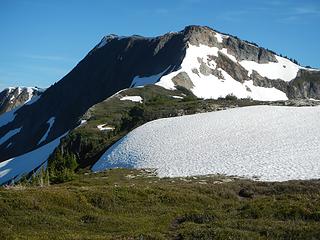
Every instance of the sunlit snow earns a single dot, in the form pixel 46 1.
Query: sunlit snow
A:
pixel 177 97
pixel 219 37
pixel 269 142
pixel 132 98
pixel 284 69
pixel 211 86
pixel 105 127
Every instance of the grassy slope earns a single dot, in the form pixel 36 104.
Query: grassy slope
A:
pixel 87 143
pixel 84 145
pixel 132 204
pixel 116 205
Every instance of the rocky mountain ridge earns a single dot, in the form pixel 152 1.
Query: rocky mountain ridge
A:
pixel 199 59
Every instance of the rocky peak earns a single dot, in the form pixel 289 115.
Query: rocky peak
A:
pixel 241 50
pixel 13 97
pixel 196 35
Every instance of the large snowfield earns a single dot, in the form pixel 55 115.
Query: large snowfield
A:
pixel 266 142
pixel 213 87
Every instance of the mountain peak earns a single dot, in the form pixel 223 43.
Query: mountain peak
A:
pixel 208 63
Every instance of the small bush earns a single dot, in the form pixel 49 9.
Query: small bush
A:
pixel 231 97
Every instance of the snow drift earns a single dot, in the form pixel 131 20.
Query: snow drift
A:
pixel 268 142
pixel 14 168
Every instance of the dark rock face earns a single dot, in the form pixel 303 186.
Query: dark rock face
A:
pixel 11 98
pixel 245 51
pixel 197 35
pixel 100 74
pixel 235 70
pixel 242 50
pixel 305 85
pixel 268 83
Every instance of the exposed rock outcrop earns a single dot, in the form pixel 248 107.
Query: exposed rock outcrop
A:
pixel 14 97
pixel 305 85
pixel 183 80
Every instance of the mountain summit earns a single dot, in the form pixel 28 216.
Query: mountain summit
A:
pixel 206 62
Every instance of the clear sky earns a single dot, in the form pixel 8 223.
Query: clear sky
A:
pixel 42 40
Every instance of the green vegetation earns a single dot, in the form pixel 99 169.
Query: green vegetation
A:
pixel 62 167
pixel 134 204
pixel 85 144
pixel 230 97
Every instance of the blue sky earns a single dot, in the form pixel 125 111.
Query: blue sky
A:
pixel 43 40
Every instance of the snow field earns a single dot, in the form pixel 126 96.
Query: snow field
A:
pixel 268 142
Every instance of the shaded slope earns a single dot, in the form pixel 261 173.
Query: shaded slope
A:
pixel 100 74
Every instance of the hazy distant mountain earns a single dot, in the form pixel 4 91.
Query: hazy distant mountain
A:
pixel 14 97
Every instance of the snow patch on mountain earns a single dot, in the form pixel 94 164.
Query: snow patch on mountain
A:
pixel 7 117
pixel 264 94
pixel 219 37
pixel 105 40
pixel 142 81
pixel 15 168
pixel 9 134
pixel 132 98
pixel 13 97
pixel 269 142
pixel 177 97
pixel 105 127
pixel 33 100
pixel 210 86
pixel 283 69
pixel 50 122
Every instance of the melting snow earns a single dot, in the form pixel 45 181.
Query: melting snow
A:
pixel 50 122
pixel 104 127
pixel 219 37
pixel 83 121
pixel 213 87
pixel 15 168
pixel 177 97
pixel 284 69
pixel 273 143
pixel 132 98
